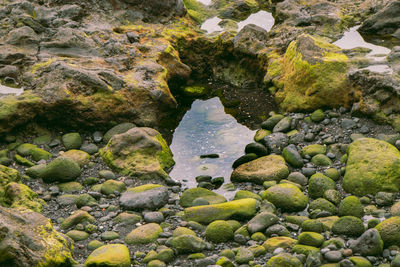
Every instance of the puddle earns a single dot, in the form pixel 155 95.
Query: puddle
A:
pixel 207 129
pixel 211 25
pixel 262 19
pixel 205 2
pixel 5 90
pixel 380 69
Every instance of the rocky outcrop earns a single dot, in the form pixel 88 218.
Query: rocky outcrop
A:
pixel 28 239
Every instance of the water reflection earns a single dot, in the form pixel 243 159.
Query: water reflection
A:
pixel 5 90
pixel 205 2
pixel 207 129
pixel 262 19
pixel 211 25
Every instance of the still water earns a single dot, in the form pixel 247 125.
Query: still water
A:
pixel 5 90
pixel 207 129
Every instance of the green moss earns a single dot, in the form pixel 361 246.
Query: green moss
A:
pixel 41 65
pixel 109 255
pixel 188 244
pixel 287 197
pixel 143 188
pixel 351 206
pixel 110 186
pixel 195 90
pixel 284 259
pixel 243 208
pixel 197 11
pixel 78 216
pixel 324 205
pixel 219 231
pixel 311 239
pixel 318 184
pixel 278 242
pixel 189 195
pixel 144 234
pixel 389 230
pixel 309 86
pixel 23 161
pixel 312 150
pixel 20 196
pixel 349 226
pixel 70 187
pixel 303 249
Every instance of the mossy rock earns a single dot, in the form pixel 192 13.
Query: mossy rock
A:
pixel 144 234
pixel 312 225
pixel 333 173
pixel 260 134
pixel 243 208
pixel 70 187
pixel 78 216
pixel 188 244
pixel 219 231
pixel 241 194
pixel 85 200
pixel 7 175
pixel 351 206
pixel 115 255
pixel 267 168
pixel 95 244
pixel 21 197
pixel 128 218
pixel 311 239
pixel 23 161
pixel 225 262
pixel 318 184
pixel 348 226
pixel 189 195
pixel 318 115
pixel 373 166
pixel 313 150
pixel 279 242
pixel 110 186
pixel 311 74
pixel 360 261
pixel 195 90
pixel 139 152
pixel 389 230
pixel 328 221
pixel 79 156
pixel 33 151
pixel 321 160
pixel 36 171
pixel 287 197
pixel 323 204
pixel 183 231
pixel 332 196
pixel 284 259
pixel 118 129
pixel 303 249
pixel 77 235
pixel 61 170
pixel 72 140
pixel 270 123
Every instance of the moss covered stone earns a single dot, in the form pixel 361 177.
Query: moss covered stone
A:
pixel 78 216
pixel 61 170
pixel 77 235
pixel 79 156
pixel 351 206
pixel 7 175
pixel 312 225
pixel 72 140
pixel 246 194
pixel 118 129
pixel 321 160
pixel 23 161
pixel 128 218
pixel 348 226
pixel 35 152
pixel 278 242
pixel 284 259
pixel 139 152
pixel 189 195
pixel 360 261
pixel 70 187
pixel 188 244
pixel 373 166
pixel 312 150
pixel 263 169
pixel 110 186
pixel 95 244
pixel 183 231
pixel 332 173
pixel 260 134
pixel 311 74
pixel 243 208
pixel 304 249
pixel 389 230
pixel 112 255
pixel 318 115
pixel 195 90
pixel 287 197
pixel 219 231
pixel 144 234
pixel 318 184
pixel 21 197
pixel 311 239
pixel 323 204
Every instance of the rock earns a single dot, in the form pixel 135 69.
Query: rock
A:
pixel 332 173
pixel 321 160
pixel 32 150
pixel 139 152
pixel 372 166
pixel 149 196
pixel 395 209
pixel 110 186
pixel 311 239
pixel 21 197
pixel 183 231
pixel 70 187
pixel 155 217
pixel 333 196
pixel 111 255
pixel 283 125
pixel 298 178
pixel 79 156
pixel 95 244
pixel 118 129
pixel 304 58
pixel 275 142
pixel 389 230
pixel 318 184
pixel 28 239
pixel 284 259
pixel 77 235
pixel 78 216
pixel 219 231
pixel 312 150
pixel 351 206
pixel 72 141
pixel 257 149
pixel 318 115
pixel 323 205
pixel 144 234
pixel 266 168
pixel 270 123
pixel 109 235
pixel 303 249
pixel 244 255
pixel 384 22
pixel 333 256
pixel 243 208
pixel 292 156
pixel 189 195
pixel 90 148
pixel 312 225
pixel 128 218
pixel 188 244
pixel 261 221
pixel 286 197
pixel 250 40
pixel 384 198
pixel 349 226
pixel 278 242
pixel 244 159
pixel 106 174
pixel 23 36
pixel 60 170
pixel 368 244
pixel 241 194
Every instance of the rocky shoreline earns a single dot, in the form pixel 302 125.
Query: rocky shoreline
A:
pixel 84 150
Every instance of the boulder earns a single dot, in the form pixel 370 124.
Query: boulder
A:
pixel 242 208
pixel 60 170
pixel 389 230
pixel 368 244
pixel 111 255
pixel 250 40
pixel 144 234
pixel 386 21
pixel 139 152
pixel 372 166
pixel 189 195
pixel 263 169
pixel 149 196
pixel 28 239
pixel 287 197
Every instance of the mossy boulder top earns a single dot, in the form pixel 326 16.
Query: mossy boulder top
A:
pixel 109 255
pixel 192 194
pixel 288 197
pixel 372 166
pixel 267 168
pixel 140 152
pixel 60 170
